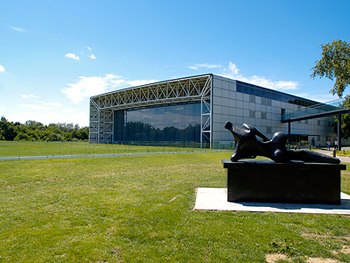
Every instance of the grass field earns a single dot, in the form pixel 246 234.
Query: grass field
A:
pixel 25 148
pixel 139 209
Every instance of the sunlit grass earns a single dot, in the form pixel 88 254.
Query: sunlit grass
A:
pixel 139 209
pixel 24 149
pixel 343 152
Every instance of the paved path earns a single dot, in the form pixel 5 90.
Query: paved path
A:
pixel 216 199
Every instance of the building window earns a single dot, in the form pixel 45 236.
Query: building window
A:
pixel 318 122
pixel 306 121
pixel 265 101
pixel 252 98
pixel 252 114
pixel 268 129
pixel 283 113
pixel 263 115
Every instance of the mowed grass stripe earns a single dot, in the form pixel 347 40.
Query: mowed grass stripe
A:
pixel 27 149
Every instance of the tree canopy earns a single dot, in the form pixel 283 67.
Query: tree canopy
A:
pixel 36 131
pixel 335 65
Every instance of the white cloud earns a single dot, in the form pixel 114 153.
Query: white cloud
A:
pixel 44 106
pixel 287 85
pixel 49 116
pixel 232 72
pixel 89 86
pixel 2 69
pixel 89 48
pixel 29 96
pixel 233 68
pixel 141 82
pixel 19 29
pixel 79 117
pixel 35 106
pixel 2 108
pixel 71 55
pixel 56 104
pixel 92 56
pixel 205 65
pixel 276 85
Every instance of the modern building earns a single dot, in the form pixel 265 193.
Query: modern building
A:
pixel 195 109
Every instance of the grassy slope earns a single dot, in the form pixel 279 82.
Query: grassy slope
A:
pixel 123 209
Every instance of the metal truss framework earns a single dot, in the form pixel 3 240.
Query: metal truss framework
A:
pixel 102 107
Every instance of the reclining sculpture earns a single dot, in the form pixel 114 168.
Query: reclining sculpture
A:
pixel 248 146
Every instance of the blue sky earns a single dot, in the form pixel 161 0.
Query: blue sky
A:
pixel 54 55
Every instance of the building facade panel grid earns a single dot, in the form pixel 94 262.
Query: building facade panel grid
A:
pixel 250 104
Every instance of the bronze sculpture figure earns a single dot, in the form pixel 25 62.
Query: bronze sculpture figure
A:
pixel 247 145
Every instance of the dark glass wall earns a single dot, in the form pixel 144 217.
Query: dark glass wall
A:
pixel 119 126
pixel 272 94
pixel 170 123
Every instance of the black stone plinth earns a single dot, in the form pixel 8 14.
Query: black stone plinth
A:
pixel 292 182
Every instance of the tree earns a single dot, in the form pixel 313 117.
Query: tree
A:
pixel 335 65
pixel 84 133
pixel 7 129
pixel 345 121
pixel 33 124
pixel 55 137
pixel 21 137
pixel 32 130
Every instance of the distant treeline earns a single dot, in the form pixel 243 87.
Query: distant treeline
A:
pixel 36 131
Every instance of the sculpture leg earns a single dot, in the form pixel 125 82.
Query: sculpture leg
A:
pixel 312 157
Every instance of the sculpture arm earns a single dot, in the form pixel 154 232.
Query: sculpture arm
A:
pixel 256 132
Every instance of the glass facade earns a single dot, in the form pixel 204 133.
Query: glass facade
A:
pixel 274 95
pixel 166 123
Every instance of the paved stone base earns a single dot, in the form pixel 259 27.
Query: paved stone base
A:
pixel 216 199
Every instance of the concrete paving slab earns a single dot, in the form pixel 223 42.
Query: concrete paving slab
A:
pixel 216 199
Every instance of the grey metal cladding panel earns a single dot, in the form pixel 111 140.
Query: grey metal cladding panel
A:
pixel 217 109
pixel 225 85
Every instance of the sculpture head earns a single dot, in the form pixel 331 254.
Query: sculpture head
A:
pixel 279 137
pixel 228 125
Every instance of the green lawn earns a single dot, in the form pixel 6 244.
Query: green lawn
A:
pixel 25 148
pixel 139 209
